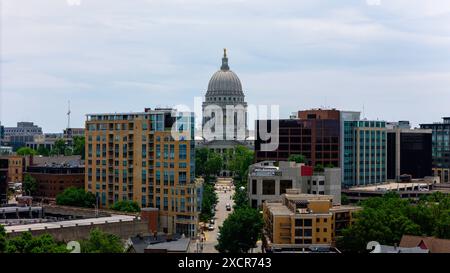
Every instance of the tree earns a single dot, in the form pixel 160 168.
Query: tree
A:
pixel 2 239
pixel 318 168
pixel 240 231
pixel 27 243
pixel 209 200
pixel 214 163
pixel 76 197
pixel 241 158
pixel 78 146
pixel 329 165
pixel 201 156
pixel 29 185
pixel 126 206
pixel 386 219
pixel 240 198
pixel 344 199
pixel 42 150
pixel 297 158
pixel 26 151
pixel 59 147
pixel 102 242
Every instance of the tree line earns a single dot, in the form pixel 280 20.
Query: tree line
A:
pixel 386 219
pixel 60 147
pixel 97 242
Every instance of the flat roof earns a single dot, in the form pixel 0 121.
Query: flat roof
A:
pixel 388 187
pixel 69 223
pixel 179 245
pixel 278 209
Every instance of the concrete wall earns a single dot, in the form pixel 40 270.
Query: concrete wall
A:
pixel 122 229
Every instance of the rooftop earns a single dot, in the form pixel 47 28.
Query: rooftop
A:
pixel 391 186
pixel 70 223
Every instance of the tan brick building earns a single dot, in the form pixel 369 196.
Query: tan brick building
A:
pixel 303 221
pixel 135 156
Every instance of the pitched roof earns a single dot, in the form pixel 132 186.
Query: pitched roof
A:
pixel 435 245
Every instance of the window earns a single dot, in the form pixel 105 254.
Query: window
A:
pixel 182 151
pixel 254 186
pixel 307 222
pixel 284 185
pixel 268 187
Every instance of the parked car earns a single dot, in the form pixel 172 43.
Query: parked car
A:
pixel 228 207
pixel 211 221
pixel 210 227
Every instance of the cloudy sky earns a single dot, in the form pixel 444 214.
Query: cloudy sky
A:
pixel 388 57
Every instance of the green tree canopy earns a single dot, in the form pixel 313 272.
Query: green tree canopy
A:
pixel 59 147
pixel 102 242
pixel 78 146
pixel 29 185
pixel 209 200
pixel 297 158
pixel 76 197
pixel 241 158
pixel 126 206
pixel 27 243
pixel 2 239
pixel 42 150
pixel 319 168
pixel 201 157
pixel 240 198
pixel 386 219
pixel 240 231
pixel 214 163
pixel 26 151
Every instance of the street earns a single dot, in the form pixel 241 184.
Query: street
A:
pixel 221 213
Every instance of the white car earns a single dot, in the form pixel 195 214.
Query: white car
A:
pixel 210 227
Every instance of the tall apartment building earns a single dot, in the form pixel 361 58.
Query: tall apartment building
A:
pixel 135 156
pixel 363 149
pixel 24 132
pixel 303 221
pixel 409 151
pixel 314 134
pixel 267 182
pixel 440 148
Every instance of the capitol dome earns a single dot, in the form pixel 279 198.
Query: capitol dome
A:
pixel 224 81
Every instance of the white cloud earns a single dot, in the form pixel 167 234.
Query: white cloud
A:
pixel 316 51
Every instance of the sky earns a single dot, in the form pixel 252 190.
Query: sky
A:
pixel 388 58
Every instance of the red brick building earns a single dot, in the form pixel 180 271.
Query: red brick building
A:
pixel 315 134
pixel 55 174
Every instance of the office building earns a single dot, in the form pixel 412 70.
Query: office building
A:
pixel 302 221
pixel 70 133
pixel 440 148
pixel 55 174
pixel 409 151
pixel 363 149
pixel 314 134
pixel 136 156
pixel 267 181
pixel 17 137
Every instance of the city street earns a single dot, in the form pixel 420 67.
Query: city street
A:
pixel 221 214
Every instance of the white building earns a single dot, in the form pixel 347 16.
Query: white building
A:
pixel 267 182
